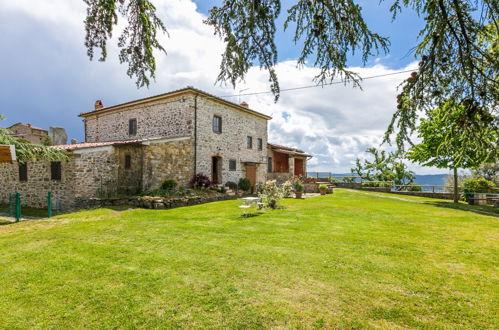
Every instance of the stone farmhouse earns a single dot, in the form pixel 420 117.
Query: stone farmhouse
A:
pixel 135 146
pixel 29 132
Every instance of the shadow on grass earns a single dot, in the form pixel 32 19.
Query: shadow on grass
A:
pixel 250 215
pixel 480 209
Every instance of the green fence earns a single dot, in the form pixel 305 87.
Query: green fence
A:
pixel 13 208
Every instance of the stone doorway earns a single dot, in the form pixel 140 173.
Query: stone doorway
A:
pixel 216 169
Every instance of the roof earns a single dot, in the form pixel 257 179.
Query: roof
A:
pixel 87 145
pixel 288 150
pixel 28 125
pixel 177 92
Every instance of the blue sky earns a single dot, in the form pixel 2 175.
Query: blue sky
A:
pixel 47 79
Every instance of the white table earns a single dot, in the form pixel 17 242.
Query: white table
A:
pixel 250 200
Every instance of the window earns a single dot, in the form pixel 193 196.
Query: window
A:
pixel 269 165
pixel 132 126
pixel 217 124
pixel 23 172
pixel 232 165
pixel 55 170
pixel 128 162
pixel 249 142
pixel 260 144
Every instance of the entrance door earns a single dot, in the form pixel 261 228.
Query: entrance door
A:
pixel 215 167
pixel 251 174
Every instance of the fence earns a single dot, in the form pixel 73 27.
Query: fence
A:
pixel 14 209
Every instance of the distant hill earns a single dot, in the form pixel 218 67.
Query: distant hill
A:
pixel 423 179
pixel 432 179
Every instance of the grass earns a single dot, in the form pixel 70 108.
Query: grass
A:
pixel 349 260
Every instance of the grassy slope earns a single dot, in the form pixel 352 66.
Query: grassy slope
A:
pixel 352 259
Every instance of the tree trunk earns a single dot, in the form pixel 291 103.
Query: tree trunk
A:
pixel 456 188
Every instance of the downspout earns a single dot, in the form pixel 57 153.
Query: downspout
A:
pixel 85 125
pixel 195 132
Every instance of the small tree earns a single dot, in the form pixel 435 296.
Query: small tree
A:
pixel 443 144
pixel 385 166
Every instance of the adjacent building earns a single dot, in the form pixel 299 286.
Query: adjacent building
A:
pixel 29 132
pixel 135 146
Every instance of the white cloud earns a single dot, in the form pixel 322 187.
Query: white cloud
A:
pixel 335 123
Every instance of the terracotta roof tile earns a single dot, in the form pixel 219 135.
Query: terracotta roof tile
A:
pixel 87 145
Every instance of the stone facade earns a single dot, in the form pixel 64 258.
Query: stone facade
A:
pixel 231 143
pixel 29 132
pixel 190 112
pixel 161 118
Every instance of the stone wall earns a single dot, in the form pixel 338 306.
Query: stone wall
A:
pixel 168 160
pixel 130 179
pixel 231 143
pixel 34 191
pixel 279 177
pixel 164 118
pixel 81 178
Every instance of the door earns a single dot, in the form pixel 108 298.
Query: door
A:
pixel 215 165
pixel 251 174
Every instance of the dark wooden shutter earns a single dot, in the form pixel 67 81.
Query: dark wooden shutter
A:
pixel 132 127
pixel 128 161
pixel 55 170
pixel 23 172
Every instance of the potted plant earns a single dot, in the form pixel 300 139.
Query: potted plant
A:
pixel 299 189
pixel 322 189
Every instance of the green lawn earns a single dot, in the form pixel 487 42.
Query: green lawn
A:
pixel 348 260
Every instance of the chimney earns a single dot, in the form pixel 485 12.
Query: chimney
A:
pixel 244 104
pixel 98 105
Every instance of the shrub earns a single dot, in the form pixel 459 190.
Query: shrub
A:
pixel 287 189
pixel 414 188
pixel 270 193
pixel 299 186
pixel 201 181
pixel 169 185
pixel 479 185
pixel 348 179
pixel 322 187
pixel 231 185
pixel 244 184
pixel 333 180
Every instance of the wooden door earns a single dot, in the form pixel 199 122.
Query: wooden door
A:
pixel 251 174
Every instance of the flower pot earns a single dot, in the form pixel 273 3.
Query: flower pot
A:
pixel 298 194
pixel 323 191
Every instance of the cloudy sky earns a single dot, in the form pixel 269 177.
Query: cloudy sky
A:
pixel 47 79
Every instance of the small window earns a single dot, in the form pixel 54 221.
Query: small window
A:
pixel 132 126
pixel 217 124
pixel 269 165
pixel 249 142
pixel 128 162
pixel 23 172
pixel 260 144
pixel 232 165
pixel 55 170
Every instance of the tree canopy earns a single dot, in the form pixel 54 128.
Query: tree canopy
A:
pixel 458 47
pixel 384 166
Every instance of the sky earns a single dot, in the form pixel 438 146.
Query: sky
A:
pixel 47 78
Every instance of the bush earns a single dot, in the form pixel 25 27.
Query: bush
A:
pixel 244 184
pixel 322 187
pixel 299 186
pixel 287 189
pixel 231 185
pixel 376 184
pixel 270 193
pixel 169 185
pixel 414 188
pixel 201 181
pixel 333 180
pixel 479 185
